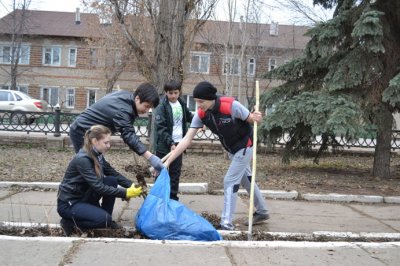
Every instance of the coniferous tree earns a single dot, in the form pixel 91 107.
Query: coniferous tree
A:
pixel 346 83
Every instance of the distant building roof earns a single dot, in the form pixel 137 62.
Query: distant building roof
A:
pixel 50 23
pixel 284 36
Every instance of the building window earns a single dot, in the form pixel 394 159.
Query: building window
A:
pixel 270 110
pixel 251 67
pixel 7 52
pixel 70 98
pixel 93 57
pixel 21 88
pixel 50 94
pixel 199 63
pixel 91 97
pixel 190 103
pixel 272 64
pixel 72 57
pixel 51 56
pixel 273 29
pixel 232 66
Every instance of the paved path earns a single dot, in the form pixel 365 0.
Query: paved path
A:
pixel 348 222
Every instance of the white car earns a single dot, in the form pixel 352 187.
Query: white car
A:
pixel 18 102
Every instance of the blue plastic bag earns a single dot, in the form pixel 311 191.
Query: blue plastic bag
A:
pixel 160 217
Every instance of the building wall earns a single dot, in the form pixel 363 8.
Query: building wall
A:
pixel 86 76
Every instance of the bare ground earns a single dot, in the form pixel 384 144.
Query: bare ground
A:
pixel 340 173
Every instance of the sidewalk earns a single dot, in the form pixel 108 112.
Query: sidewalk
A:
pixel 309 219
pixel 291 216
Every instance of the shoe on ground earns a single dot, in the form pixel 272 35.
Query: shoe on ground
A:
pixel 226 227
pixel 258 218
pixel 115 225
pixel 67 226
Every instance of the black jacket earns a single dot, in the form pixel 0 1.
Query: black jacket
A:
pixel 163 124
pixel 117 111
pixel 80 180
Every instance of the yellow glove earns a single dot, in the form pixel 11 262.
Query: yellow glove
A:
pixel 133 192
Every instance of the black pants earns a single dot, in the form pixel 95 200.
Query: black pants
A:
pixel 76 136
pixel 174 174
pixel 90 213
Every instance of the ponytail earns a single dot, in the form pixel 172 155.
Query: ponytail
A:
pixel 95 132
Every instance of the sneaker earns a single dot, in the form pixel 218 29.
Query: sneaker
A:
pixel 67 226
pixel 258 218
pixel 115 225
pixel 226 227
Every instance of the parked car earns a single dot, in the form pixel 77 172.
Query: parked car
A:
pixel 18 103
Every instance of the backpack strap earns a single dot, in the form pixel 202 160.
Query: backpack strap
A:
pixel 226 105
pixel 201 113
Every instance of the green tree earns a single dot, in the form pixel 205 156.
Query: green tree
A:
pixel 346 82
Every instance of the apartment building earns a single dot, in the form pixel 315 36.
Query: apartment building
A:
pixel 57 63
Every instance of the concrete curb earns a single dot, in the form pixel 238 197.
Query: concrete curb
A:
pixel 202 188
pixel 222 243
pixel 330 197
pixel 317 236
pixel 342 198
pixel 192 188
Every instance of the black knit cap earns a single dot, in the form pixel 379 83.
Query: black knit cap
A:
pixel 205 90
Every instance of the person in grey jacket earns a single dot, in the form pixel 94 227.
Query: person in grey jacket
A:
pixel 118 111
pixel 89 178
pixel 170 125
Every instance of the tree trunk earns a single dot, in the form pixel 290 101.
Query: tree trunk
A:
pixel 169 37
pixel 384 121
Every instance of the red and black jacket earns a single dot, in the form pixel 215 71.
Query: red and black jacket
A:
pixel 234 134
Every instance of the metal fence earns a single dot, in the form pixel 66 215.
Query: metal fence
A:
pixel 58 123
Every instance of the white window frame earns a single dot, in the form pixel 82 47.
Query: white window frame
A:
pixel 251 66
pixel 272 63
pixel 273 28
pixel 202 56
pixel 51 90
pixel 24 54
pixel 70 98
pixel 52 57
pixel 188 99
pixel 88 94
pixel 72 60
pixel 227 66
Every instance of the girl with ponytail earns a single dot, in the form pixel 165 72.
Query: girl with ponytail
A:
pixel 89 178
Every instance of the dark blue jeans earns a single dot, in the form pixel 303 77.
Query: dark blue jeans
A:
pixel 174 174
pixel 90 214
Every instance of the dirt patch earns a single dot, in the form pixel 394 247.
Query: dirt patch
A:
pixel 340 173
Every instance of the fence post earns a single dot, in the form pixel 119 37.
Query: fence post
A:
pixel 150 117
pixel 57 122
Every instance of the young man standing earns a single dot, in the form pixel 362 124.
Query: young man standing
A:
pixel 231 121
pixel 171 118
pixel 118 111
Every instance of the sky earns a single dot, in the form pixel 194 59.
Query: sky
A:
pixel 272 11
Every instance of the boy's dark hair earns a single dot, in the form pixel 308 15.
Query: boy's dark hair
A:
pixel 148 93
pixel 172 85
